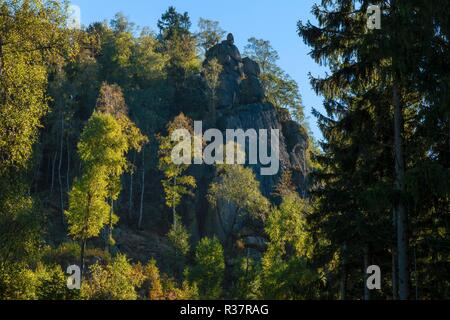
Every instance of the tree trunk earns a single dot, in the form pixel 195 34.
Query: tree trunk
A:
pixel 36 175
pixel 53 172
pixel 61 193
pixel 174 212
pixel 394 261
pixel 1 58
pixel 141 209
pixel 130 201
pixel 82 251
pixel 68 167
pixel 110 225
pixel 343 284
pixel 399 207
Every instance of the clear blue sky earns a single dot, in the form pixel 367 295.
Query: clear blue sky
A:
pixel 273 20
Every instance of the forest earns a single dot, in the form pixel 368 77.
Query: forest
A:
pixel 87 178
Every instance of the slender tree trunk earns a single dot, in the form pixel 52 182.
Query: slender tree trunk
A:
pixel 82 251
pixel 394 275
pixel 36 175
pixel 110 225
pixel 366 266
pixel 68 166
pixel 141 209
pixel 343 284
pixel 84 233
pixel 394 260
pixel 53 172
pixel 174 213
pixel 213 107
pixel 1 58
pixel 130 201
pixel 61 192
pixel 399 207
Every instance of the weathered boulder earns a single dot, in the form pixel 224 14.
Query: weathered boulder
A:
pixel 251 89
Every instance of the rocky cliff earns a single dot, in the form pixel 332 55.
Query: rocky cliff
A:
pixel 241 105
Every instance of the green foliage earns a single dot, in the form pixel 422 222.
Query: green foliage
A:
pixel 115 281
pixel 174 24
pixel 17 282
pixel 179 237
pixel 32 37
pixel 238 186
pixel 160 287
pixel 209 267
pixel 88 210
pixel 211 73
pixel 209 33
pixel 46 282
pixel 286 269
pixel 52 284
pixel 104 142
pixel 155 286
pixel 280 89
pixel 105 85
pixel 175 183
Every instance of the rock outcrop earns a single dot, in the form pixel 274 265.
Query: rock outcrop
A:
pixel 239 79
pixel 241 106
pixel 251 89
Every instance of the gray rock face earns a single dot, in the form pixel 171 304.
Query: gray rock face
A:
pixel 293 141
pixel 239 79
pixel 251 89
pixel 293 148
pixel 297 144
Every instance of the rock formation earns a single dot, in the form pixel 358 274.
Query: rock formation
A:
pixel 241 106
pixel 239 79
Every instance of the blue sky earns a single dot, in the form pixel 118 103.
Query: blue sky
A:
pixel 273 20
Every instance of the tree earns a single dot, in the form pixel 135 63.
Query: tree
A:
pixel 236 192
pixel 209 267
pixel 117 280
pixel 209 33
pixel 211 73
pixel 155 290
pixel 88 210
pixel 173 24
pixel 102 148
pixel 175 184
pixel 32 37
pixel 380 69
pixel 160 287
pixel 179 45
pixel 179 238
pixel 111 101
pixel 237 186
pixel 287 272
pixel 280 89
